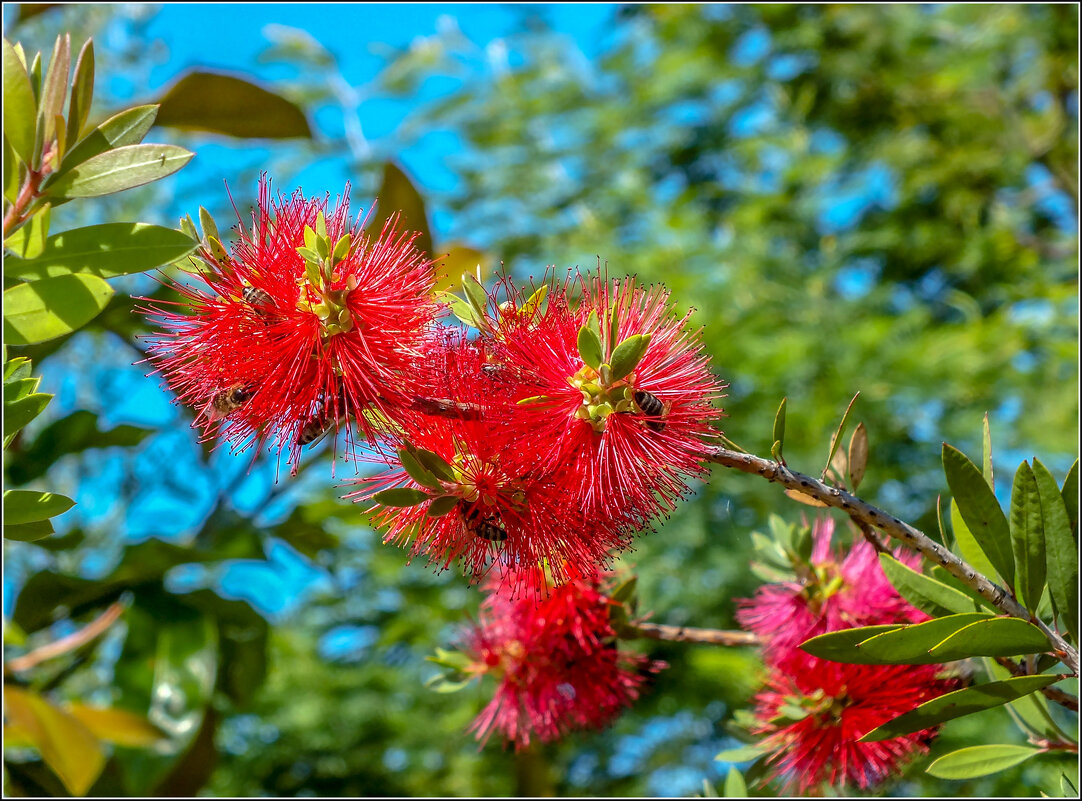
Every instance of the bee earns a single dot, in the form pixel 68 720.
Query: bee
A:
pixel 229 400
pixel 487 528
pixel 651 406
pixel 257 298
pixel 316 429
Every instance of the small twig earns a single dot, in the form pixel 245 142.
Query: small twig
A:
pixel 64 645
pixel 1054 694
pixel 871 536
pixel 862 511
pixel 659 631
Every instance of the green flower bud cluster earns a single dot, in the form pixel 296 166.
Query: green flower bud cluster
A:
pixel 321 256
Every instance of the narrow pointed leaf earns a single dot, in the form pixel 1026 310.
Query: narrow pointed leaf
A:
pixel 980 511
pixel 118 726
pixel 29 532
pixel 628 354
pixel 1070 498
pixel 70 750
pixel 55 88
pixel 925 593
pixel 911 645
pixel 435 464
pixel 777 435
pixel 968 547
pixel 441 506
pixel 958 704
pixel 29 506
pixel 416 471
pixel 119 169
pixel 1027 536
pixel 476 295
pixel 986 454
pixel 82 92
pixel 52 307
pixel 459 308
pixel 105 250
pixel 590 347
pixel 980 760
pixel 127 127
pixel 1031 713
pixel 735 787
pixel 398 195
pixel 20 107
pixel 841 646
pixel 836 439
pixel 998 636
pixel 230 105
pixel 1062 550
pixel 401 496
pixel 858 456
pixel 22 411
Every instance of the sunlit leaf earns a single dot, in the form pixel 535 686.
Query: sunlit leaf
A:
pixel 980 760
pixel 28 506
pixel 119 169
pixel 980 511
pixel 52 307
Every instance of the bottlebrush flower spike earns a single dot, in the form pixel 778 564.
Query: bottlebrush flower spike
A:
pixel 812 713
pixel 835 591
pixel 461 488
pixel 616 391
pixel 556 660
pixel 305 320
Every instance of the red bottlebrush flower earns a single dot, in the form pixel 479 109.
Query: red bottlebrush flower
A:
pixel 304 321
pixel 557 662
pixel 461 488
pixel 616 392
pixel 812 713
pixel 839 591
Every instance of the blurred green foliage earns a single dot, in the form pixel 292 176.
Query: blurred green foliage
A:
pixel 872 198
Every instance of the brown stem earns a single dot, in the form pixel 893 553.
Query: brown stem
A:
pixel 1054 694
pixel 26 196
pixel 659 631
pixel 90 631
pixel 864 512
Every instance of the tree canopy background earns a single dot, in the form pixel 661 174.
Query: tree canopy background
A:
pixel 872 198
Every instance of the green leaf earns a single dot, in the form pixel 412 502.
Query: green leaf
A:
pixel 22 411
pixel 29 240
pixel 401 496
pixel 20 107
pixel 117 726
pixel 943 576
pixel 475 294
pixel 958 704
pixel 742 754
pixel 590 347
pixel 980 511
pixel 909 645
pixel 30 506
pixel 17 369
pixel 925 593
pixel 435 464
pixel 858 456
pixel 980 760
pixel 777 434
pixel 104 250
pixel 1067 787
pixel 533 303
pixel 1070 498
pixel 968 547
pixel 735 786
pixel 55 88
pixel 841 646
pixel 127 127
pixel 82 92
pixel 986 454
pixel 998 636
pixel 397 195
pixel 1061 548
pixel 442 505
pixel 207 225
pixel 1030 712
pixel 20 388
pixel 70 750
pixel 628 354
pixel 52 307
pixel 459 308
pixel 836 438
pixel 29 532
pixel 119 169
pixel 1027 536
pixel 230 105
pixel 417 472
